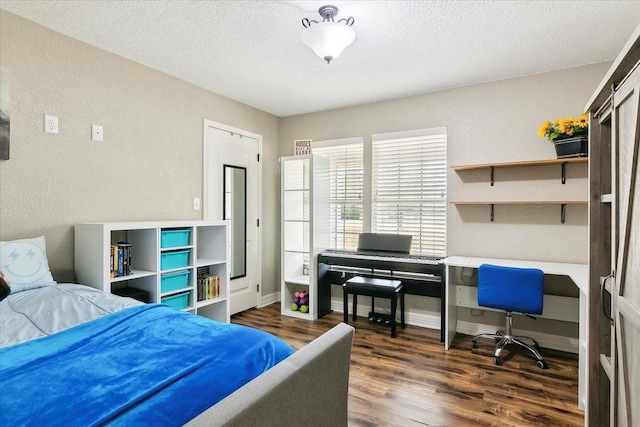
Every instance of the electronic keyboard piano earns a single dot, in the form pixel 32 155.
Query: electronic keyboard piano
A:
pixel 382 256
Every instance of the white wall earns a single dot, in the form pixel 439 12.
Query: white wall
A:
pixel 149 166
pixel 490 122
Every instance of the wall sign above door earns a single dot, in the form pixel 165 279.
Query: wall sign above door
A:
pixel 302 147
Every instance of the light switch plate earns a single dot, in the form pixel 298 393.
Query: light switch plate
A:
pixel 97 133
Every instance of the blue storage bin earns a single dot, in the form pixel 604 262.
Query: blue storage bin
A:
pixel 178 301
pixel 174 259
pixel 173 238
pixel 173 281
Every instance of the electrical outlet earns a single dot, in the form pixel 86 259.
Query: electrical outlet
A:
pixel 50 124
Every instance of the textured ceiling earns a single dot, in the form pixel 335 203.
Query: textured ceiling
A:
pixel 251 51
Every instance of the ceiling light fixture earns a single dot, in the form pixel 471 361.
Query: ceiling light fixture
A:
pixel 328 38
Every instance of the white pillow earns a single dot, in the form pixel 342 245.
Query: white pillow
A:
pixel 24 264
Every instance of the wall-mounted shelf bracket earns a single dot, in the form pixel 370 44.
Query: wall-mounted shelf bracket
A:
pixel 492 205
pixel 564 172
pixel 563 209
pixel 491 169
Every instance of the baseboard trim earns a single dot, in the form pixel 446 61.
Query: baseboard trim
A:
pixel 269 299
pixel 429 321
pixel 432 321
pixel 554 342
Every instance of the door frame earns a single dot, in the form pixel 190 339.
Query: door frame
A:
pixel 209 212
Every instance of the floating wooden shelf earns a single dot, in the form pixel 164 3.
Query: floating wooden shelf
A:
pixel 547 162
pixel 562 203
pixel 522 163
pixel 522 202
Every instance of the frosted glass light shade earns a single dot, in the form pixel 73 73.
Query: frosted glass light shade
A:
pixel 328 39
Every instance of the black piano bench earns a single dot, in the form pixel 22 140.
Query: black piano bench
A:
pixel 374 287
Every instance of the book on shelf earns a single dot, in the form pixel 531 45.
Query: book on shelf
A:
pixel 120 259
pixel 208 285
pixel 113 261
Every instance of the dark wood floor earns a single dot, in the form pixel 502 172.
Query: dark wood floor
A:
pixel 412 381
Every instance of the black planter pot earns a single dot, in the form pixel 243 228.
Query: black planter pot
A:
pixel 578 146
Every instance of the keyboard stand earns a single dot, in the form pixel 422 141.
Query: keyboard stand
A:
pixel 426 279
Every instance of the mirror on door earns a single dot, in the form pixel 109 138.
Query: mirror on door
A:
pixel 235 210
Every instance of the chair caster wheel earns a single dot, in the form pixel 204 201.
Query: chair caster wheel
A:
pixel 474 344
pixel 542 364
pixel 497 360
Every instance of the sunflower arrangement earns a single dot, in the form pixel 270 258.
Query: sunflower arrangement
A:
pixel 564 128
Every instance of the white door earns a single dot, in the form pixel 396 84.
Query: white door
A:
pixel 231 156
pixel 625 410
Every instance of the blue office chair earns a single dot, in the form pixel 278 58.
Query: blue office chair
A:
pixel 511 289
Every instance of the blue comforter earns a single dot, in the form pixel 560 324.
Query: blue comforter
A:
pixel 145 365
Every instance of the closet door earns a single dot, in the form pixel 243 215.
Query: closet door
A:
pixel 625 387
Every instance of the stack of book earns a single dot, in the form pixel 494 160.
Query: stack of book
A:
pixel 120 259
pixel 208 284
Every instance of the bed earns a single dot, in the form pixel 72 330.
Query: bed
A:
pixel 73 355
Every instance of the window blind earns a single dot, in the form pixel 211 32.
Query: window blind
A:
pixel 409 187
pixel 346 188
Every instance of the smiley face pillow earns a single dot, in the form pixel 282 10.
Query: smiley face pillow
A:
pixel 25 265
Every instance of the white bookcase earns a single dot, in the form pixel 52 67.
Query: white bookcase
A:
pixel 305 228
pixel 157 259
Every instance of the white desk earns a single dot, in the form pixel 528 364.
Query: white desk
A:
pixel 578 273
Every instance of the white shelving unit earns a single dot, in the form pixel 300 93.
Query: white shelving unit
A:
pixel 202 245
pixel 305 228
